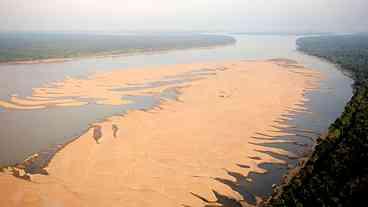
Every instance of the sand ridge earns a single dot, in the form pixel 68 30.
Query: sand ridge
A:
pixel 107 88
pixel 176 154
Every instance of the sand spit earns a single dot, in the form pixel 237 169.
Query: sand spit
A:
pixel 39 61
pixel 187 152
pixel 108 88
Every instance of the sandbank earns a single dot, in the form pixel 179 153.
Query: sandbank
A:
pixel 167 155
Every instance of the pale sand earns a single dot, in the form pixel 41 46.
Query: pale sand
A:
pixel 103 88
pixel 161 156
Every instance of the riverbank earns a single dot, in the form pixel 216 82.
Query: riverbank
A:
pixel 183 152
pixel 335 174
pixel 37 48
pixel 113 55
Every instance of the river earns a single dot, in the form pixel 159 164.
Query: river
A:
pixel 25 132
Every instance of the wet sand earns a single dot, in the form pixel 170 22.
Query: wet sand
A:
pixel 108 88
pixel 176 154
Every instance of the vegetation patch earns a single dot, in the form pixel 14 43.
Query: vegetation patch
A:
pixel 43 46
pixel 336 174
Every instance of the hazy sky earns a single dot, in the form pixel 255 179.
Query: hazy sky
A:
pixel 210 15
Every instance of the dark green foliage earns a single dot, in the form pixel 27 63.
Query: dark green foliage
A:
pixel 337 172
pixel 350 52
pixel 36 46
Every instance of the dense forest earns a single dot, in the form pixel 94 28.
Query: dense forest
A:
pixel 350 52
pixel 336 174
pixel 39 46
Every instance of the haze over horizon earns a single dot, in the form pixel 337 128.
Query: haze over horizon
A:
pixel 189 15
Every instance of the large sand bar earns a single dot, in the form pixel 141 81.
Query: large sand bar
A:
pixel 164 156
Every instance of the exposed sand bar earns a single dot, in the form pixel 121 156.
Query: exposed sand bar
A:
pixel 161 156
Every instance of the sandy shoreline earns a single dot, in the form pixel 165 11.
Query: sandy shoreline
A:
pixel 165 156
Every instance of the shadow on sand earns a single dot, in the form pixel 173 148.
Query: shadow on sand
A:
pixel 294 139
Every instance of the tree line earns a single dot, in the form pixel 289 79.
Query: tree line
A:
pixel 336 174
